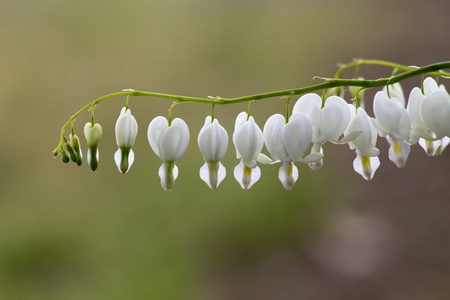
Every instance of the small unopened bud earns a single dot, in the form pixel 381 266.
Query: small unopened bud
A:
pixel 74 142
pixel 93 133
pixel 357 93
pixel 65 157
pixel 72 154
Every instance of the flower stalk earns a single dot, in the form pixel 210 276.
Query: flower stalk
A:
pixel 313 121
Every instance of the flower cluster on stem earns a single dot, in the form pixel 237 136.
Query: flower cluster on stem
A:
pixel 299 137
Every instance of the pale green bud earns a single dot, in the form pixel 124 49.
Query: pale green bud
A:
pixel 93 134
pixel 355 89
pixel 65 157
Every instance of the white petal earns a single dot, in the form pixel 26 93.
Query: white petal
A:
pixel 184 136
pixel 312 157
pixel 444 143
pixel 288 175
pixel 414 107
pixel 248 140
pixel 264 159
pixel 168 173
pixel 126 129
pixel 392 118
pixel 347 138
pixel 366 166
pixel 212 174
pixel 430 147
pixel 368 137
pixel 240 120
pixel 379 128
pixel 334 118
pixel 155 129
pixel 296 136
pixel 213 141
pixel 398 151
pixel 130 159
pixel 93 134
pixel 436 113
pixel 118 159
pixel 273 139
pixel 310 105
pixel 371 152
pixel 246 176
pixel 316 165
pixel 430 85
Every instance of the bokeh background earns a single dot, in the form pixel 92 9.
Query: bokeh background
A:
pixel 69 233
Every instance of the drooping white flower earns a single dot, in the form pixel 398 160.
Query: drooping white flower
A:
pixel 418 127
pixel 415 103
pixel 287 143
pixel 420 131
pixel 93 134
pixel 126 132
pixel 249 141
pixel 169 143
pixel 436 113
pixel 310 105
pixel 328 123
pixel 392 121
pixel 334 119
pixel 366 161
pixel 213 143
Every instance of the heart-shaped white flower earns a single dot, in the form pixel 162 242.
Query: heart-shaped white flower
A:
pixel 169 143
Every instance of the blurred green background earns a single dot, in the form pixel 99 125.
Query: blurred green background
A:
pixel 69 233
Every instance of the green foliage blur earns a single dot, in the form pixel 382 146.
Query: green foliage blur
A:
pixel 69 233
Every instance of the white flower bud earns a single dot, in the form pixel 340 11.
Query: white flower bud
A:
pixel 213 143
pixel 126 132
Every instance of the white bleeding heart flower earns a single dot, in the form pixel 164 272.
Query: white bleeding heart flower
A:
pixel 436 113
pixel 328 123
pixel 93 134
pixel 418 127
pixel 169 143
pixel 366 161
pixel 392 121
pixel 420 131
pixel 249 141
pixel 366 166
pixel 213 143
pixel 287 143
pixel 334 119
pixel 311 105
pixel 126 132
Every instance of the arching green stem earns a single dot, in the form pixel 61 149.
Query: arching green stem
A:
pixel 336 82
